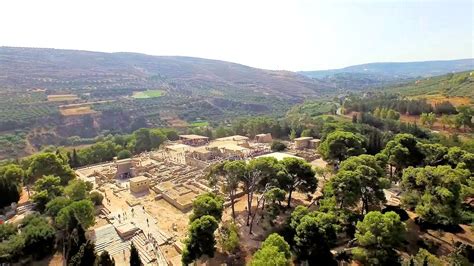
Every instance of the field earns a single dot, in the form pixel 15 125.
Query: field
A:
pixel 147 94
pixel 81 110
pixel 438 98
pixel 62 97
pixel 200 124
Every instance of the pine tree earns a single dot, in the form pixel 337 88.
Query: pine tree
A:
pixel 134 257
pixel 105 260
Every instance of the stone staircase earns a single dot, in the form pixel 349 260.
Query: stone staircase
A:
pixel 145 249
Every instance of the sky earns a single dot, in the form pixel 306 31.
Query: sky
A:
pixel 284 35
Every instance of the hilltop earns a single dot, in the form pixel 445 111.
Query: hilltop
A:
pixel 382 74
pixel 59 69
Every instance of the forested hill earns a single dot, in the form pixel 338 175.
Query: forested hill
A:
pixel 400 69
pixel 56 69
pixel 449 85
pixel 378 75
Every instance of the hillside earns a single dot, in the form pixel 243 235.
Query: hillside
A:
pixel 27 68
pixel 450 85
pixel 48 96
pixel 383 74
pixel 400 69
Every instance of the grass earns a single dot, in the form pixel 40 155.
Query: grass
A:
pixel 147 94
pixel 199 124
pixel 62 97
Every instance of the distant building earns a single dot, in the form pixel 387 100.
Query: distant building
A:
pixel 193 140
pixel 124 168
pixel 314 143
pixel 264 138
pixel 302 143
pixel 279 156
pixel 139 184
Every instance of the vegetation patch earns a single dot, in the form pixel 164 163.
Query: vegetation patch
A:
pixel 62 97
pixel 147 94
pixel 82 110
pixel 200 124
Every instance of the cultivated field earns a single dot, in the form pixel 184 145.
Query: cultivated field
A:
pixel 147 94
pixel 82 110
pixel 62 97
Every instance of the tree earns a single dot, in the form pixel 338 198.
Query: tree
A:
pixel 85 256
pixel 77 189
pixel 403 151
pixel 464 116
pixel 269 256
pixel 229 237
pixel 424 257
pixel 142 140
pixel 200 240
pixel 43 164
pixel 96 197
pixel 298 175
pixel 55 205
pixel 315 234
pixel 360 179
pixel 377 236
pixel 428 119
pixel 307 133
pixel 435 193
pixel 124 154
pixel 231 171
pixel 134 256
pixel 274 251
pixel 10 192
pixel 47 188
pixel 292 135
pixel 339 145
pixel 434 154
pixel 208 204
pixel 13 173
pixel 81 212
pixel 278 241
pixel 39 236
pixel 105 259
pixel 278 146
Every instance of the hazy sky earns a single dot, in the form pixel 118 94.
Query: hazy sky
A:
pixel 292 35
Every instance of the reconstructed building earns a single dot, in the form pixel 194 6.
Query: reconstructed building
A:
pixel 193 140
pixel 124 168
pixel 264 138
pixel 139 184
pixel 302 143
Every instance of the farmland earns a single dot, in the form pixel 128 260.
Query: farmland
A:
pixel 62 97
pixel 450 85
pixel 148 94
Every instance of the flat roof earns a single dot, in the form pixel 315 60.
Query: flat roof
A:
pixel 192 136
pixel 138 178
pixel 178 147
pixel 304 138
pixel 122 161
pixel 234 138
pixel 279 155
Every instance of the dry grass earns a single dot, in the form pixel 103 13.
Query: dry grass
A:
pixel 62 97
pixel 438 98
pixel 82 110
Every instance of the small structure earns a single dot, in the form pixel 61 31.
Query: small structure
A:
pixel 193 140
pixel 264 138
pixel 139 184
pixel 302 143
pixel 124 168
pixel 279 156
pixel 314 143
